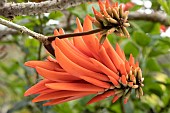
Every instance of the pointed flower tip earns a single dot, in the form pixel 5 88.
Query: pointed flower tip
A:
pixel 46 104
pixel 77 20
pixel 101 5
pixel 112 17
pixel 34 100
pixel 26 63
pixel 91 18
pixel 100 2
pixel 115 98
pixel 125 100
pixel 107 3
pixel 88 103
pixel 29 64
pixel 27 93
pixel 94 10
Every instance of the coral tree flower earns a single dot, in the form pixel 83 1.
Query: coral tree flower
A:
pixel 84 67
pixel 112 18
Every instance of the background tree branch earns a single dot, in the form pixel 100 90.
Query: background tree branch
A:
pixel 32 8
pixel 154 17
pixel 7 31
pixel 2 3
pixel 10 10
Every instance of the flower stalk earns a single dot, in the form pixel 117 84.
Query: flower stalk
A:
pixel 52 38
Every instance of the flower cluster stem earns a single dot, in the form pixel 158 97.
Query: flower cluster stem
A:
pixel 51 38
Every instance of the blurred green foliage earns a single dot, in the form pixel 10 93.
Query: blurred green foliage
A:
pixel 146 44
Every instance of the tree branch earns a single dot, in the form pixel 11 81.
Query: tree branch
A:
pixel 154 17
pixel 7 31
pixel 32 8
pixel 2 3
pixel 25 30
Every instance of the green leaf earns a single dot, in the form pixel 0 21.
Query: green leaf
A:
pixel 165 40
pixel 116 107
pixel 152 86
pixel 155 29
pixel 141 38
pixel 152 65
pixel 79 11
pixel 146 26
pixel 63 108
pixel 55 15
pixel 135 7
pixel 161 47
pixel 165 6
pixel 131 48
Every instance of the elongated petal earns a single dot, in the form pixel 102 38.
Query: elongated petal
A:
pixel 106 60
pixel 101 97
pixel 101 5
pixel 131 60
pixel 43 64
pixel 56 32
pixel 107 4
pixel 127 66
pixel 90 39
pixel 74 87
pixel 104 69
pixel 49 58
pixel 60 43
pixel 55 76
pixel 119 52
pixel 112 54
pixel 80 45
pixel 47 91
pixel 37 87
pixel 75 69
pixel 114 81
pixel 60 94
pixel 73 56
pixel 123 69
pixel 96 82
pixel 61 100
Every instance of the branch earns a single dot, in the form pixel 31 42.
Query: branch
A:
pixel 2 3
pixel 32 8
pixel 25 30
pixel 44 39
pixel 154 17
pixel 7 31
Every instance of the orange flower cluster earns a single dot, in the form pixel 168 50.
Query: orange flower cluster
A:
pixel 111 18
pixel 83 67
